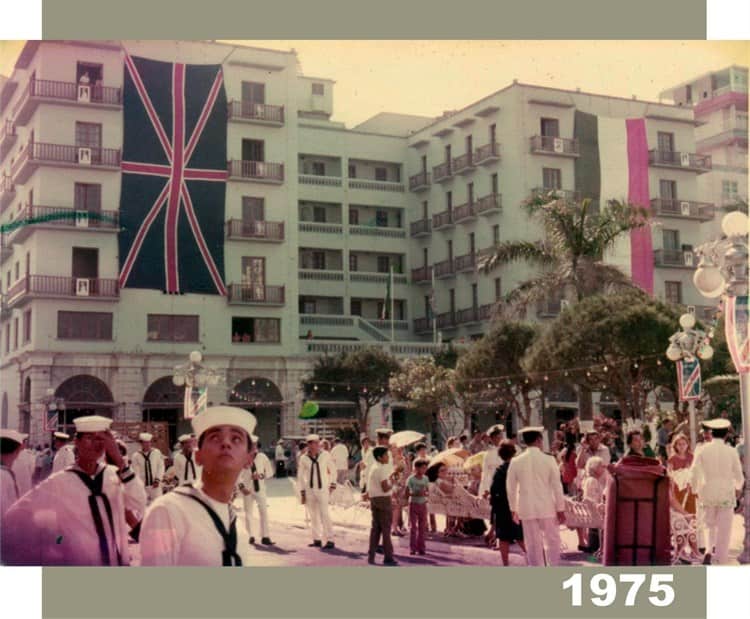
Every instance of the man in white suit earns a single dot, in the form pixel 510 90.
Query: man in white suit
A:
pixel 316 478
pixel 536 498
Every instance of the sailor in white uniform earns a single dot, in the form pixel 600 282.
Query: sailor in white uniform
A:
pixel 316 479
pixel 11 445
pixel 491 459
pixel 65 455
pixel 186 468
pixel 196 525
pixel 252 485
pixel 23 468
pixel 148 464
pixel 77 516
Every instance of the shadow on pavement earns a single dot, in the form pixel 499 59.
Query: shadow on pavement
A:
pixel 273 550
pixel 338 552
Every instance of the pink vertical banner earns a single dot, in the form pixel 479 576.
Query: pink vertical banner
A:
pixel 641 248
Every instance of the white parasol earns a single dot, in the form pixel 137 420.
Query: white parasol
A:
pixel 405 438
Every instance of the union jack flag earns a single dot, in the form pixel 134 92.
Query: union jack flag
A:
pixel 174 173
pixel 689 380
pixel 737 332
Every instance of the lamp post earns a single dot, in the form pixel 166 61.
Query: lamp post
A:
pixel 723 270
pixel 194 375
pixel 684 347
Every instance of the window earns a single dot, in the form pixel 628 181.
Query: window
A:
pixel 665 141
pixel 688 94
pixel 384 264
pixel 498 289
pixel 425 261
pixel 494 184
pixel 424 164
pixel 399 218
pixel 381 174
pixel 353 262
pixel 89 135
pixel 671 239
pixel 85 262
pixel 307 305
pixel 470 193
pixel 667 190
pixel 16 271
pixel 450 250
pixel 493 134
pixel 253 150
pixel 94 72
pixel 729 190
pixel 474 297
pixel 425 210
pixel 427 306
pixel 7 338
pixel 319 214
pixel 381 219
pixel 253 209
pixel 449 200
pixel 353 217
pixel 496 234
pixel 254 272
pixel 84 326
pixel 551 178
pixel 550 127
pixel 356 307
pixel 253 92
pixel 469 145
pixel 673 292
pixel 352 171
pixel 452 296
pixel 319 260
pixel 448 154
pixel 318 168
pixel 15 334
pixel 318 88
pixel 172 328
pixel 472 243
pixel 256 330
pixel 27 326
pixel 88 197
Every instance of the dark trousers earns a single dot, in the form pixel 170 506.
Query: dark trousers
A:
pixel 382 518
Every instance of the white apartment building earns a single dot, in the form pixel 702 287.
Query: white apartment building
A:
pixel 317 216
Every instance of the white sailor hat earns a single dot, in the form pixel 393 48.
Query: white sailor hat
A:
pixel 13 435
pixel 145 436
pixel 384 431
pixel 531 429
pixel 496 429
pixel 62 436
pixel 92 423
pixel 224 416
pixel 254 438
pixel 280 441
pixel 718 424
pixel 184 437
pixel 363 436
pixel 312 437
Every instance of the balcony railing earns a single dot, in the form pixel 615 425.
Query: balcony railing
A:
pixel 468 315
pixel 442 172
pixel 393 233
pixel 250 111
pixel 322 275
pixel 487 153
pixel 359 183
pixel 442 220
pixel 263 171
pixel 675 258
pixel 550 145
pixel 35 216
pixel 38 153
pixel 324 181
pixel 385 325
pixel 409 349
pixel 420 181
pixel 376 278
pixel 675 159
pixel 63 287
pixel 7 192
pixel 553 193
pixel 421 275
pixel 446 320
pixel 255 294
pixel 489 204
pixel 255 230
pixel 422 325
pixel 320 227
pixel 666 207
pixel 465 212
pixel 467 262
pixel 69 92
pixel 421 227
pixel 444 269
pixel 463 163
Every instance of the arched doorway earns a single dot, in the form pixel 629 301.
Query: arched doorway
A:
pixel 82 395
pixel 4 414
pixel 24 410
pixel 163 402
pixel 263 399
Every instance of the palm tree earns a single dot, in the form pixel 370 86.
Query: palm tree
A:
pixel 570 258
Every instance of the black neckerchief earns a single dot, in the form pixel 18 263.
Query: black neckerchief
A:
pixel 256 483
pixel 149 473
pixel 316 466
pixel 189 460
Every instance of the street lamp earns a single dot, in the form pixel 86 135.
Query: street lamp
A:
pixel 194 375
pixel 723 270
pixel 684 347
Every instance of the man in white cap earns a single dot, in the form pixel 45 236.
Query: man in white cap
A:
pixel 148 464
pixel 491 459
pixel 252 485
pixel 316 478
pixel 196 525
pixel 716 477
pixel 365 449
pixel 536 499
pixel 279 455
pixel 77 516
pixel 186 467
pixel 11 444
pixel 24 467
pixel 340 456
pixel 65 455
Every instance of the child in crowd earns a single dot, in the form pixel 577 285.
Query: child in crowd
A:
pixel 417 487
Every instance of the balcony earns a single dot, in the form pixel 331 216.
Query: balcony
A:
pixel 50 217
pixel 248 111
pixel 465 263
pixel 551 145
pixel 422 275
pixel 320 227
pixel 442 172
pixel 373 185
pixel 422 325
pixel 553 193
pixel 463 163
pixel 270 231
pixel 324 275
pixel 253 294
pixel 675 259
pixel 464 213
pixel 256 171
pixel 444 269
pixel 487 153
pixel 36 154
pixel 56 287
pixel 419 182
pixel 473 315
pixel 8 137
pixel 321 181
pixel 376 278
pixel 382 231
pixel 489 204
pixel 7 192
pixel 684 161
pixel 683 209
pixel 65 93
pixel 442 220
pixel 446 320
pixel 422 227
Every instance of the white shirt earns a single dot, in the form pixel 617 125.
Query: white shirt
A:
pixel 23 467
pixel 534 487
pixel 263 467
pixel 8 489
pixel 378 473
pixel 341 457
pixel 327 471
pixel 181 466
pixel 716 474
pixel 177 530
pixel 490 464
pixel 52 524
pixel 279 454
pixel 65 457
pixel 593 488
pixel 369 461
pixel 138 461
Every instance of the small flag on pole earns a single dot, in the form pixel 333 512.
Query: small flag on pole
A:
pixel 689 379
pixel 52 421
pixel 190 408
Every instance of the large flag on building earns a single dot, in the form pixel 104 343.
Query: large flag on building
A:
pixel 174 171
pixel 613 165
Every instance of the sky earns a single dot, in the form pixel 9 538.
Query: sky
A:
pixel 427 78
